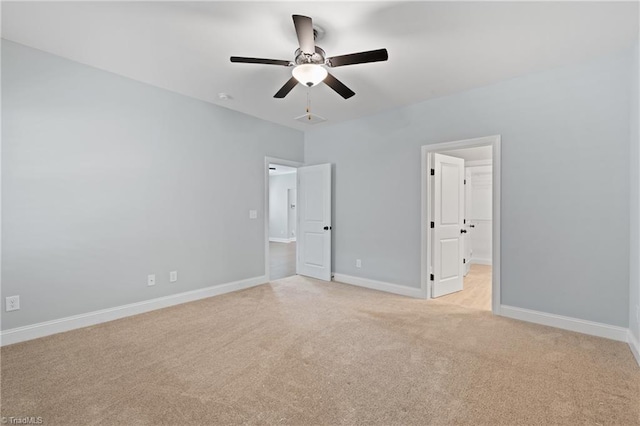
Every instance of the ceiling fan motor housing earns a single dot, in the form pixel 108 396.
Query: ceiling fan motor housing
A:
pixel 317 58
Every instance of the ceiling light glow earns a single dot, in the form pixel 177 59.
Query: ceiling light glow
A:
pixel 309 74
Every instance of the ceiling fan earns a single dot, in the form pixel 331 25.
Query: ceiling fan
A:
pixel 310 60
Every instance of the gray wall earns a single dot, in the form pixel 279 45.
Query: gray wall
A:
pixel 106 180
pixel 279 205
pixel 565 186
pixel 634 282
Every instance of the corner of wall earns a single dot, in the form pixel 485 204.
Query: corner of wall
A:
pixel 634 203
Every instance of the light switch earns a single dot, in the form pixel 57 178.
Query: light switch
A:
pixel 253 214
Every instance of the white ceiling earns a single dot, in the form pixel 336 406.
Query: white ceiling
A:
pixel 435 48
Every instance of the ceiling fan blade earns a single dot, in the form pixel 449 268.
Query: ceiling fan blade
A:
pixel 338 86
pixel 288 86
pixel 304 30
pixel 260 61
pixel 358 58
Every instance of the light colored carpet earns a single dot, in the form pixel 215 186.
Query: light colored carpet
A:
pixel 476 292
pixel 300 351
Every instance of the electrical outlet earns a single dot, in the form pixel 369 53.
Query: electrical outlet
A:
pixel 173 276
pixel 151 280
pixel 12 303
pixel 358 263
pixel 253 214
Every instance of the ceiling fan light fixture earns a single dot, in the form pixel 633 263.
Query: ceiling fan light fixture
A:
pixel 309 74
pixel 310 61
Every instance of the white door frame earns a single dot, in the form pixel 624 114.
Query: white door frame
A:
pixel 425 216
pixel 281 162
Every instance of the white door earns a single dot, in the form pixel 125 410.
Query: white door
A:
pixel 314 222
pixel 468 249
pixel 448 213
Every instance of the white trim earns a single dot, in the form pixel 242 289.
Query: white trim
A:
pixel 478 163
pixel 478 261
pixel 379 285
pixel 566 323
pixel 33 331
pixel 425 261
pixel 496 223
pixel 267 161
pixel 634 345
pixel 425 210
pixel 281 240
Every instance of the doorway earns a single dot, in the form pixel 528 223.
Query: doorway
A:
pixel 308 225
pixel 282 220
pixel 461 222
pixel 280 233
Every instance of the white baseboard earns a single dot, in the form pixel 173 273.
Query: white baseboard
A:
pixel 281 240
pixel 21 334
pixel 480 261
pixel 634 345
pixel 566 323
pixel 379 285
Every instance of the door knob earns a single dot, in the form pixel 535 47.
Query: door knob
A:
pixel 463 231
pixel 326 228
pixel 472 226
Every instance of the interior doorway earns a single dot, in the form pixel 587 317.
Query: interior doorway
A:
pixel 280 217
pixel 476 228
pixel 461 225
pixel 304 230
pixel 282 221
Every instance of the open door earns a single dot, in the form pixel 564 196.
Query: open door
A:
pixel 448 214
pixel 314 222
